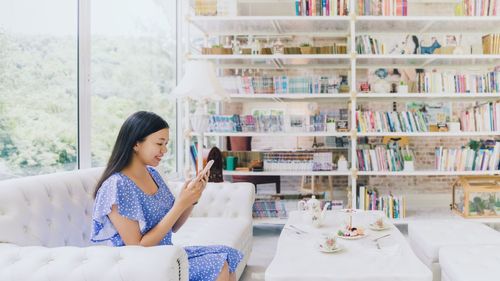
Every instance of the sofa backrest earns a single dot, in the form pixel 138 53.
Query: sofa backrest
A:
pixel 48 210
pixel 224 199
pixel 56 209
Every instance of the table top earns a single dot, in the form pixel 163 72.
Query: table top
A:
pixel 298 256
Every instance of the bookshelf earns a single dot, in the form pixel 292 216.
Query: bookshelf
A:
pixel 349 27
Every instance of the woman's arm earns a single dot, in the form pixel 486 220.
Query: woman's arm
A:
pixel 184 216
pixel 129 229
pixel 182 219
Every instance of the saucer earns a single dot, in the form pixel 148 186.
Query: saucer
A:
pixel 324 250
pixel 376 228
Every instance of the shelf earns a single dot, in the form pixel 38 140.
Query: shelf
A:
pixel 422 61
pixel 428 173
pixel 264 221
pixel 278 61
pixel 291 97
pixel 286 173
pixel 272 25
pixel 426 24
pixel 419 96
pixel 430 134
pixel 284 134
pixel 339 25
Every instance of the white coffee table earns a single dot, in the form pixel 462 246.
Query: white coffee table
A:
pixel 298 258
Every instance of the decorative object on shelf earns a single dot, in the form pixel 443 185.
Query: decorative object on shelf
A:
pixel 255 45
pixel 342 125
pixel 477 196
pixel 312 212
pixel 306 49
pixel 381 85
pixel 278 47
pixel 403 88
pixel 216 169
pixel 342 164
pixel 205 7
pixel 454 124
pixel 410 45
pixel 231 163
pixel 236 46
pixel 408 165
pixel 364 87
pixel 344 84
pixel 430 49
pixel 330 125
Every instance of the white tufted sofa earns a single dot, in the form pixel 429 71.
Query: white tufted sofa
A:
pixel 45 227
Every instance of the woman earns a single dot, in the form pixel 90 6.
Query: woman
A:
pixel 133 205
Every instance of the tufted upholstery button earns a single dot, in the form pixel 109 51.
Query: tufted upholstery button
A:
pixel 86 212
pixel 25 228
pixel 65 242
pixel 69 217
pixel 227 199
pixel 49 223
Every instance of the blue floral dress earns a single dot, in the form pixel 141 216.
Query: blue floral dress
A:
pixel 205 262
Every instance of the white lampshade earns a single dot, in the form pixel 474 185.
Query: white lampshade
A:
pixel 200 82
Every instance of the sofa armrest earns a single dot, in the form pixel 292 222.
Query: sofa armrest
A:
pixel 93 263
pixel 225 199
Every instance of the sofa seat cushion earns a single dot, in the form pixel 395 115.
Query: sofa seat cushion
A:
pixel 232 232
pixel 470 262
pixel 427 237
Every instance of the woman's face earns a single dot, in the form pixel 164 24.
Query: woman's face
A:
pixel 151 150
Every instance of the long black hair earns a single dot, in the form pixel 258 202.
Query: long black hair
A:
pixel 135 129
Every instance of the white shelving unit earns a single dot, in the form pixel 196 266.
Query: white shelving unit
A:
pixel 350 27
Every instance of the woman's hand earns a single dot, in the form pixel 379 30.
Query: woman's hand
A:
pixel 190 193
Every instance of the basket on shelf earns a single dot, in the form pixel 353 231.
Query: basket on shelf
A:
pixel 477 196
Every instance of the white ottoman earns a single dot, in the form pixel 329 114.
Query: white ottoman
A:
pixel 427 237
pixel 464 263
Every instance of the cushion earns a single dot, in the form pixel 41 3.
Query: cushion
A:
pixel 426 237
pixel 232 232
pixel 468 262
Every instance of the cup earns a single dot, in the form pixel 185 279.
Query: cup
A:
pixel 328 242
pixel 230 163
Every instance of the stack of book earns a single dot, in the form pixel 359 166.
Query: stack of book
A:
pixel 468 159
pixel 269 209
pixel 405 121
pixel 381 159
pixel 479 8
pixel 321 7
pixel 394 207
pixel 367 45
pixel 491 44
pixel 383 7
pixel 281 84
pixel 481 118
pixel 450 82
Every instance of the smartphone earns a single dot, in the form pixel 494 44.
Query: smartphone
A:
pixel 206 169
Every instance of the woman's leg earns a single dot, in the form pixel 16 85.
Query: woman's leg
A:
pixel 232 276
pixel 224 273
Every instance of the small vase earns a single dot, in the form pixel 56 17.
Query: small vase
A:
pixel 408 166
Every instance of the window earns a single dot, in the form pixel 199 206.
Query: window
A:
pixel 133 68
pixel 38 87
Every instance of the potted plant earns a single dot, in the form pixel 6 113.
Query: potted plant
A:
pixel 306 49
pixel 220 50
pixel 403 88
pixel 408 165
pixel 497 206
